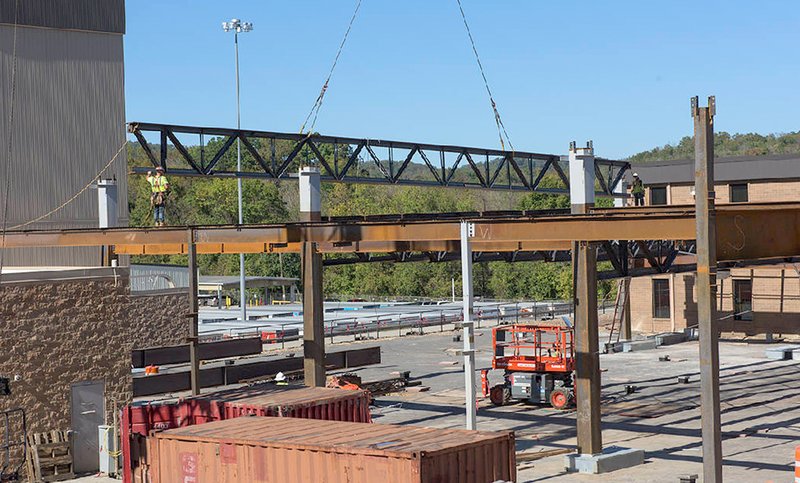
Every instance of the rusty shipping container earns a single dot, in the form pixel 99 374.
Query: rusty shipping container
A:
pixel 285 450
pixel 139 420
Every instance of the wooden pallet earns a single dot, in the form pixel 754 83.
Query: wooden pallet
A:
pixel 49 457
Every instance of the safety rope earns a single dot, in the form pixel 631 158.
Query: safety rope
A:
pixel 64 204
pixel 318 103
pixel 9 151
pixel 501 128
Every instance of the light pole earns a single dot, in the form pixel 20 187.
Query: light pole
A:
pixel 237 26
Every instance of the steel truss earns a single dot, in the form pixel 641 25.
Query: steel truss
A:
pixel 358 160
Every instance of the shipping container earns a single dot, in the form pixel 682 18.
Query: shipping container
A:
pixel 286 450
pixel 139 420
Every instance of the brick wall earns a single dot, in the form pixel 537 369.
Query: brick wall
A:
pixel 775 302
pixel 73 326
pixel 757 192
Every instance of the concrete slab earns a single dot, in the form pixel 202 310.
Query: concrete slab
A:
pixel 795 354
pixel 670 338
pixel 611 459
pixel 780 353
pixel 639 345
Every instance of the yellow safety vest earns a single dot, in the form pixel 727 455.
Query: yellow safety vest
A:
pixel 158 184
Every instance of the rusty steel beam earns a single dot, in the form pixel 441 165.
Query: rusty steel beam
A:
pixel 345 247
pixel 744 232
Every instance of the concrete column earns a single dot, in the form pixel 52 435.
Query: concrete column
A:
pixel 107 203
pixel 706 289
pixel 621 189
pixel 193 317
pixel 467 231
pixel 220 302
pixel 587 354
pixel 311 260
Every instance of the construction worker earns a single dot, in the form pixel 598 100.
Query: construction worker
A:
pixel 280 379
pixel 637 190
pixel 159 187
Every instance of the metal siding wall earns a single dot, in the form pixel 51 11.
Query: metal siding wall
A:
pixel 69 120
pixel 95 15
pixel 154 277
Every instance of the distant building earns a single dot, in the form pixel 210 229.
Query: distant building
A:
pixel 757 300
pixel 69 116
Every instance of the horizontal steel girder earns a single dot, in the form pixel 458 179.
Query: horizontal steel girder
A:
pixel 745 232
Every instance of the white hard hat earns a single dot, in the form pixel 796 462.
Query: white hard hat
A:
pixel 636 174
pixel 280 377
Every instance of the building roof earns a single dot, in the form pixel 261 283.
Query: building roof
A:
pixel 728 169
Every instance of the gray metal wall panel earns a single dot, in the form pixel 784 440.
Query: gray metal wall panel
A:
pixel 93 15
pixel 69 120
pixel 158 277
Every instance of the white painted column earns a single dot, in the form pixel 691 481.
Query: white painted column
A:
pixel 107 203
pixel 467 230
pixel 621 189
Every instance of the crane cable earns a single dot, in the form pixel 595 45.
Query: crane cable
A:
pixel 7 174
pixel 318 103
pixel 501 128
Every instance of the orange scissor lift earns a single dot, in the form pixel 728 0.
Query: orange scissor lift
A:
pixel 538 361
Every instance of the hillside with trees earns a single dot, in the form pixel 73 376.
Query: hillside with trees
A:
pixel 726 144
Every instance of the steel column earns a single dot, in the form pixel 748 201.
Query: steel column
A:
pixel 194 359
pixel 706 289
pixel 311 259
pixel 468 324
pixel 587 343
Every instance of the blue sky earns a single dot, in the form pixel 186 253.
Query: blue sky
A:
pixel 617 72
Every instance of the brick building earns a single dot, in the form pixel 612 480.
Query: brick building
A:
pixel 758 300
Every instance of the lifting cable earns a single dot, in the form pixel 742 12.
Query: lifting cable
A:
pixel 80 192
pixel 318 103
pixel 7 173
pixel 501 128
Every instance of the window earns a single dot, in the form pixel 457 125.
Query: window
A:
pixel 658 195
pixel 742 300
pixel 739 193
pixel 661 299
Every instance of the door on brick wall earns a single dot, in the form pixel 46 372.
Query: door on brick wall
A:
pixel 88 412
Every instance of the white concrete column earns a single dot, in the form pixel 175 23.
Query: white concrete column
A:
pixel 581 175
pixel 467 230
pixel 107 203
pixel 621 189
pixel 310 195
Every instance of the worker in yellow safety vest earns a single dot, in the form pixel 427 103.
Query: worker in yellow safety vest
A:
pixel 280 379
pixel 159 187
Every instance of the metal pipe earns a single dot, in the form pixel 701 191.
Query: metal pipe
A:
pixel 467 231
pixel 194 340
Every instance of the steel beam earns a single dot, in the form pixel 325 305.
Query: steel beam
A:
pixel 745 232
pixel 311 260
pixel 587 341
pixel 194 337
pixel 706 289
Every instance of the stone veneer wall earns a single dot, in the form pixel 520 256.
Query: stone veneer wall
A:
pixel 59 328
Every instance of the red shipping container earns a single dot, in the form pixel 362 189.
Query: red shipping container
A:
pixel 299 402
pixel 280 450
